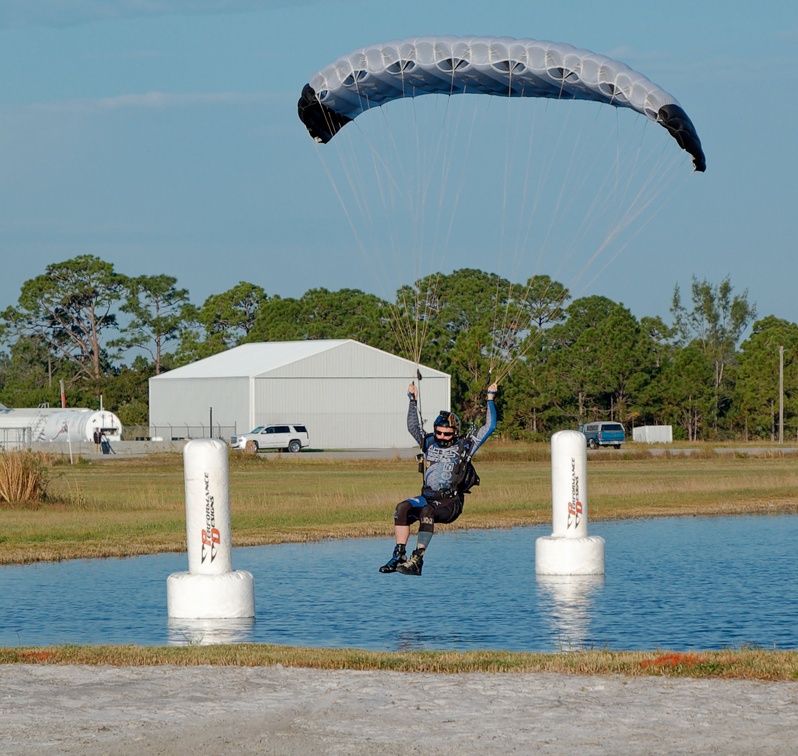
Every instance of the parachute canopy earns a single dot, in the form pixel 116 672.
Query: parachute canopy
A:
pixel 503 66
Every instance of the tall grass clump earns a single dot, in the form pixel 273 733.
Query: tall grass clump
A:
pixel 23 477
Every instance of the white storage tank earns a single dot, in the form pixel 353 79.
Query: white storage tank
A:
pixel 57 424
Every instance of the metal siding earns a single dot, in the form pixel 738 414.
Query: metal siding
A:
pixel 187 402
pixel 348 413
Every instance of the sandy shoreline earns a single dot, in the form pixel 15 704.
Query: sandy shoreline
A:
pixel 282 710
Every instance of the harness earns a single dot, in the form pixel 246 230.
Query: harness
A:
pixel 464 475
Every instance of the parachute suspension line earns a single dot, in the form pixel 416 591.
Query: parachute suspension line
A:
pixel 420 310
pixel 510 328
pixel 630 190
pixel 413 319
pixel 506 331
pixel 434 246
pixel 574 179
pixel 389 189
pixel 363 195
pixel 661 179
pixel 358 239
pixel 414 338
pixel 498 327
pixel 457 194
pixel 506 183
pixel 416 315
pixel 582 165
pixel 600 208
pixel 447 142
pixel 532 327
pixel 410 342
pixel 634 203
pixel 519 329
pixel 518 323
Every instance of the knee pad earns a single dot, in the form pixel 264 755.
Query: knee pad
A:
pixel 400 514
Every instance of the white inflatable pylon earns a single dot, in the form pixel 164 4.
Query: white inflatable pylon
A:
pixel 211 589
pixel 569 550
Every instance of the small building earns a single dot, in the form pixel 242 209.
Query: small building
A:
pixel 653 434
pixel 349 395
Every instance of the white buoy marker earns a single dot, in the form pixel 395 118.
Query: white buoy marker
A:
pixel 211 589
pixel 569 550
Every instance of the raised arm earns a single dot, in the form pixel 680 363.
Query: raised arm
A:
pixel 490 420
pixel 413 422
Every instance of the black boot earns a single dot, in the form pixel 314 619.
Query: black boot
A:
pixel 397 559
pixel 413 565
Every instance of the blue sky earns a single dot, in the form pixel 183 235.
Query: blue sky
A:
pixel 161 135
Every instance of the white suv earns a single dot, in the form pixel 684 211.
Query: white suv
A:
pixel 291 437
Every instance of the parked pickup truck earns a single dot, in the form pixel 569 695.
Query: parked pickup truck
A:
pixel 291 437
pixel 603 434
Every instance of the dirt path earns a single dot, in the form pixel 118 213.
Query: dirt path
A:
pixel 277 710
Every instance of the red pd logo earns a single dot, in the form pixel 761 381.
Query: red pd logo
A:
pixel 210 537
pixel 574 506
pixel 574 513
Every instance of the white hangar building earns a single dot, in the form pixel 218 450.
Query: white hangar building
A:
pixel 349 395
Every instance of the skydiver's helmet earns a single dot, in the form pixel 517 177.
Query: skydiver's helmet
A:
pixel 447 428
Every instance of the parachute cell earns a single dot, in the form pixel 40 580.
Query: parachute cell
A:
pixel 502 66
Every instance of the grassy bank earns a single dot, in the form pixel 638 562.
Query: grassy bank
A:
pixel 126 507
pixel 741 664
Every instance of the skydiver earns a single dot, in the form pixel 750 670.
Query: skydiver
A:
pixel 446 462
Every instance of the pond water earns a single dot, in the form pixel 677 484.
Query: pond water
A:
pixel 672 583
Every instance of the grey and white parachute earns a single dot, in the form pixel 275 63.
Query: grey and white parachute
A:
pixel 499 66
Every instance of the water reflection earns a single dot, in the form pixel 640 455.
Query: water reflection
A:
pixel 206 632
pixel 571 607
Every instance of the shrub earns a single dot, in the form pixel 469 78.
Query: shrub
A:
pixel 23 477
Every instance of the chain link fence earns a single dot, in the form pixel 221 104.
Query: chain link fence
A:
pixel 16 438
pixel 178 432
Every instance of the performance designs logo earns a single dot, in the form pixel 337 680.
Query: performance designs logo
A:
pixel 211 538
pixel 574 506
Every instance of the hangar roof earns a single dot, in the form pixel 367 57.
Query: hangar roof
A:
pixel 260 358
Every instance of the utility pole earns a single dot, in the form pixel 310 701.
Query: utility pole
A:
pixel 781 394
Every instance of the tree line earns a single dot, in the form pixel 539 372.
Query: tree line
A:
pixel 561 361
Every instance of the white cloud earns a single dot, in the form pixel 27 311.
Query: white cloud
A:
pixel 144 100
pixel 171 100
pixel 61 13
